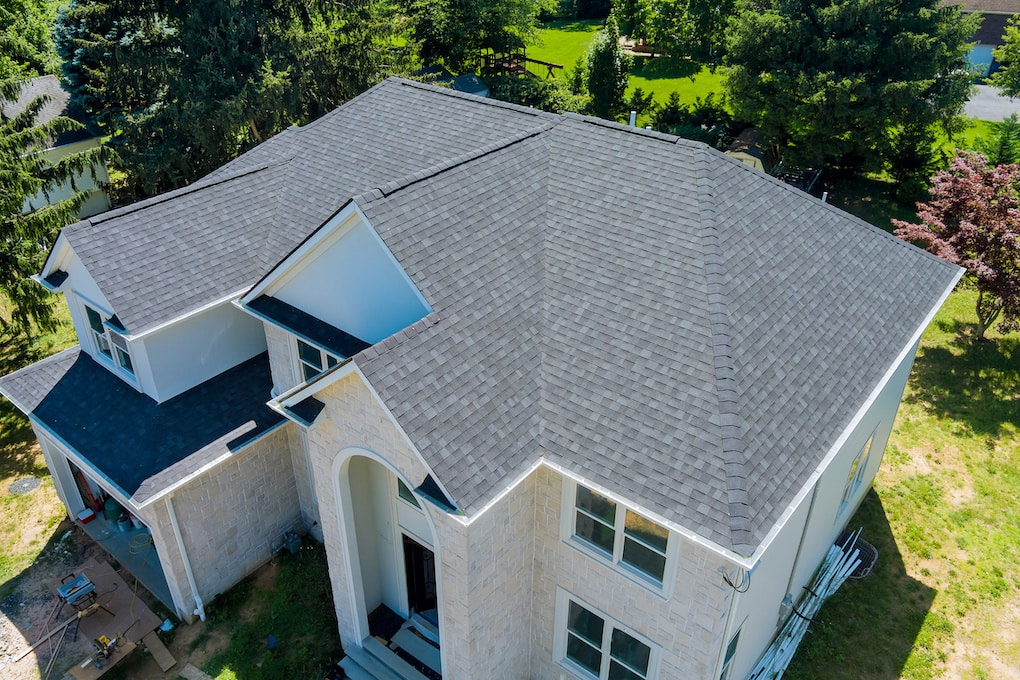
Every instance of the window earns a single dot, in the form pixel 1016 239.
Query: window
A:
pixel 406 494
pixel 621 535
pixel 858 468
pixel 595 645
pixel 108 343
pixel 731 651
pixel 313 360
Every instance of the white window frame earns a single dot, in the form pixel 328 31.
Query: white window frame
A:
pixel 729 655
pixel 560 636
pixel 855 476
pixel 326 360
pixel 108 345
pixel 568 515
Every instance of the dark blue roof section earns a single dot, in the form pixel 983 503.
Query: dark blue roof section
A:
pixel 141 446
pixel 306 410
pixel 306 326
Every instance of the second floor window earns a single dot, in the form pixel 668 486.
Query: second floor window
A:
pixel 313 360
pixel 109 344
pixel 620 534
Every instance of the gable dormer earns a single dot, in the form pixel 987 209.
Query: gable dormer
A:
pixel 337 293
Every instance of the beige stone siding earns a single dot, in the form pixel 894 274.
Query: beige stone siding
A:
pixel 232 518
pixel 281 348
pixel 688 627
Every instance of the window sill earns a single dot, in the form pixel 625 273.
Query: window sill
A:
pixel 631 574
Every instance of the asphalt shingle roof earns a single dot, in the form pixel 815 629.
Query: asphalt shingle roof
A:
pixel 142 446
pixel 644 311
pixel 662 319
pixel 178 252
pixel 58 104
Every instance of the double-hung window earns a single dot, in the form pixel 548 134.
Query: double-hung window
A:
pixel 599 648
pixel 620 534
pixel 108 343
pixel 313 360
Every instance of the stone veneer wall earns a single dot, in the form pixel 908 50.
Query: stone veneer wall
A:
pixel 231 518
pixel 689 627
pixel 280 344
pixel 484 570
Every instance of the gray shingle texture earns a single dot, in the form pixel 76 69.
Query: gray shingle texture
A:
pixel 642 310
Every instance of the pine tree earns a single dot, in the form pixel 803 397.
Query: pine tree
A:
pixel 26 235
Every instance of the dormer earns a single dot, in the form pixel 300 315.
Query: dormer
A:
pixel 161 362
pixel 336 294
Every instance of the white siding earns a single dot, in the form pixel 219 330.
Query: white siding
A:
pixel 356 285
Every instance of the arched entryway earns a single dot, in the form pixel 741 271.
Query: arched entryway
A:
pixel 391 553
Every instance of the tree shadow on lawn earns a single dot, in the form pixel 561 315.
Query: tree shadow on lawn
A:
pixel 661 68
pixel 573 25
pixel 869 627
pixel 976 382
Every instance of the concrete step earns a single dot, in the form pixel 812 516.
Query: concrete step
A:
pixel 369 664
pixel 354 671
pixel 394 663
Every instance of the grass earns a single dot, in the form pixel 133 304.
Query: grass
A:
pixel 944 598
pixel 30 520
pixel 296 608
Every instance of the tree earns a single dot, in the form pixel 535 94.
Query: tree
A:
pixel 607 71
pixel 26 48
pixel 972 219
pixel 1004 146
pixel 1007 79
pixel 25 236
pixel 454 32
pixel 835 81
pixel 181 88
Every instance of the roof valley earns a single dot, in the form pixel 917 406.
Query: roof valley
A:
pixel 722 357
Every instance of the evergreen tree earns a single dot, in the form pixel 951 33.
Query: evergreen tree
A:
pixel 26 235
pixel 26 48
pixel 607 72
pixel 836 81
pixel 184 87
pixel 1007 79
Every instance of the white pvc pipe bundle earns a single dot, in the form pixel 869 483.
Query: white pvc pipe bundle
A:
pixel 837 566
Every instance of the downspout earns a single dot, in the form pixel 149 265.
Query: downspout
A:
pixel 199 607
pixel 803 533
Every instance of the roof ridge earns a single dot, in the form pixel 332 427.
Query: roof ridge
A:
pixel 488 101
pixel 170 195
pixel 367 197
pixel 730 425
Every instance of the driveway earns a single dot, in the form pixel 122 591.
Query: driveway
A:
pixel 988 104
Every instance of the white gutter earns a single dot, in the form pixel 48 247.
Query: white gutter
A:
pixel 199 607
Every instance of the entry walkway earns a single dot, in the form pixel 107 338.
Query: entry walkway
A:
pixel 133 549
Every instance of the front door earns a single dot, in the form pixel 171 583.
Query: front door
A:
pixel 420 571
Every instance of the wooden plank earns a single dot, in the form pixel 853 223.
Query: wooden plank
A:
pixel 159 651
pixel 44 638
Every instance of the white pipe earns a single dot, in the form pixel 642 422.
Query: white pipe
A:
pixel 199 607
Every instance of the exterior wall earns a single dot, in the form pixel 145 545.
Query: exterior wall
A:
pixel 823 524
pixel 97 201
pixel 234 517
pixel 370 296
pixel 196 349
pixel 483 570
pixel 282 358
pixel 688 626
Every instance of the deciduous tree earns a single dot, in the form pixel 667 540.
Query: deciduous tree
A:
pixel 836 81
pixel 972 219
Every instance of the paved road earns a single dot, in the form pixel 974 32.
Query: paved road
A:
pixel 988 104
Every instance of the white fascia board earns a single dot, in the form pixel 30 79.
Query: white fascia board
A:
pixel 184 481
pixel 833 451
pixel 120 494
pixel 57 257
pixel 188 315
pixel 328 233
